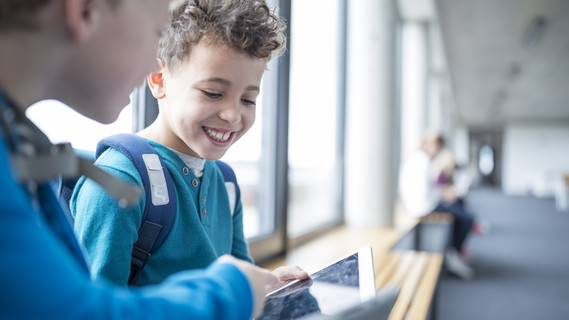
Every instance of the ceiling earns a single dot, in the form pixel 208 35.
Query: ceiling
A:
pixel 508 59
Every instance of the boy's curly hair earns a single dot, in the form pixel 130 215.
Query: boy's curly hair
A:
pixel 248 26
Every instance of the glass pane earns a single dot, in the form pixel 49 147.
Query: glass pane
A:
pixel 314 72
pixel 63 124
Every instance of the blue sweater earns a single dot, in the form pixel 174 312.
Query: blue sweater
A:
pixel 41 279
pixel 203 229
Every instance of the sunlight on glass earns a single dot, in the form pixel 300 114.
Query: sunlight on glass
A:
pixel 314 66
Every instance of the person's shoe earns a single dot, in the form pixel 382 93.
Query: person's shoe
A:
pixel 457 266
pixel 465 254
pixel 481 227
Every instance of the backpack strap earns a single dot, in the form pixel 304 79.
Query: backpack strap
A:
pixel 160 210
pixel 231 185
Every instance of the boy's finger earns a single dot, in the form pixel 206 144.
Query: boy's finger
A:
pixel 290 273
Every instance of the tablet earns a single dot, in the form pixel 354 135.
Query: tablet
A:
pixel 342 284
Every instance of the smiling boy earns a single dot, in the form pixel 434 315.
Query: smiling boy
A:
pixel 206 103
pixel 212 59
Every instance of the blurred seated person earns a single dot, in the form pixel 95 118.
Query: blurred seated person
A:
pixel 456 182
pixel 421 195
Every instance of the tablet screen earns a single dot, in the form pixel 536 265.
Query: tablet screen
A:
pixel 341 285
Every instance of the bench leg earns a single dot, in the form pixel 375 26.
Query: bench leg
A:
pixel 417 237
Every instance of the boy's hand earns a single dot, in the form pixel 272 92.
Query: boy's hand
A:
pixel 286 274
pixel 260 280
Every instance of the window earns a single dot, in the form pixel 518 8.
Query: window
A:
pixel 63 124
pixel 316 101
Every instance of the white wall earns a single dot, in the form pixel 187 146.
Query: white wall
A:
pixel 534 156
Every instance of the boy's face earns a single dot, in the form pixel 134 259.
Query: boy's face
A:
pixel 115 58
pixel 209 101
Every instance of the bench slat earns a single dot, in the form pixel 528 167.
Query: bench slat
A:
pixel 413 277
pixel 420 306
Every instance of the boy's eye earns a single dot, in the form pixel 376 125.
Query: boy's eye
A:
pixel 249 102
pixel 211 94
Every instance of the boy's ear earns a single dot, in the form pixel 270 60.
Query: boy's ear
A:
pixel 81 17
pixel 156 84
pixel 156 81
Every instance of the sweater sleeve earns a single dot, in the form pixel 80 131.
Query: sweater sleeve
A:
pixel 41 280
pixel 106 231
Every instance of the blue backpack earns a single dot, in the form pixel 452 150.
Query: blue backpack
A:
pixel 160 210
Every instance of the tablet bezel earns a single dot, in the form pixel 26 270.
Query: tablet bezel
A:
pixel 366 273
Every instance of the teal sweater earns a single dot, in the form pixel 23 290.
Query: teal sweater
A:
pixel 203 230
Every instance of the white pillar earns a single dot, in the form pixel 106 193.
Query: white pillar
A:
pixel 413 85
pixel 370 113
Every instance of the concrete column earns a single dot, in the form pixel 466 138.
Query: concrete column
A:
pixel 370 113
pixel 413 85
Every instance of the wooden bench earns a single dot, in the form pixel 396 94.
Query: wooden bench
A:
pixel 416 275
pixel 414 265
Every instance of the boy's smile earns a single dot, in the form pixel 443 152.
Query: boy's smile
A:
pixel 220 138
pixel 207 101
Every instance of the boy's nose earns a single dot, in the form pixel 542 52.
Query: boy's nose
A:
pixel 231 112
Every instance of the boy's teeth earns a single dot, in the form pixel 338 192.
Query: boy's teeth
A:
pixel 219 136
